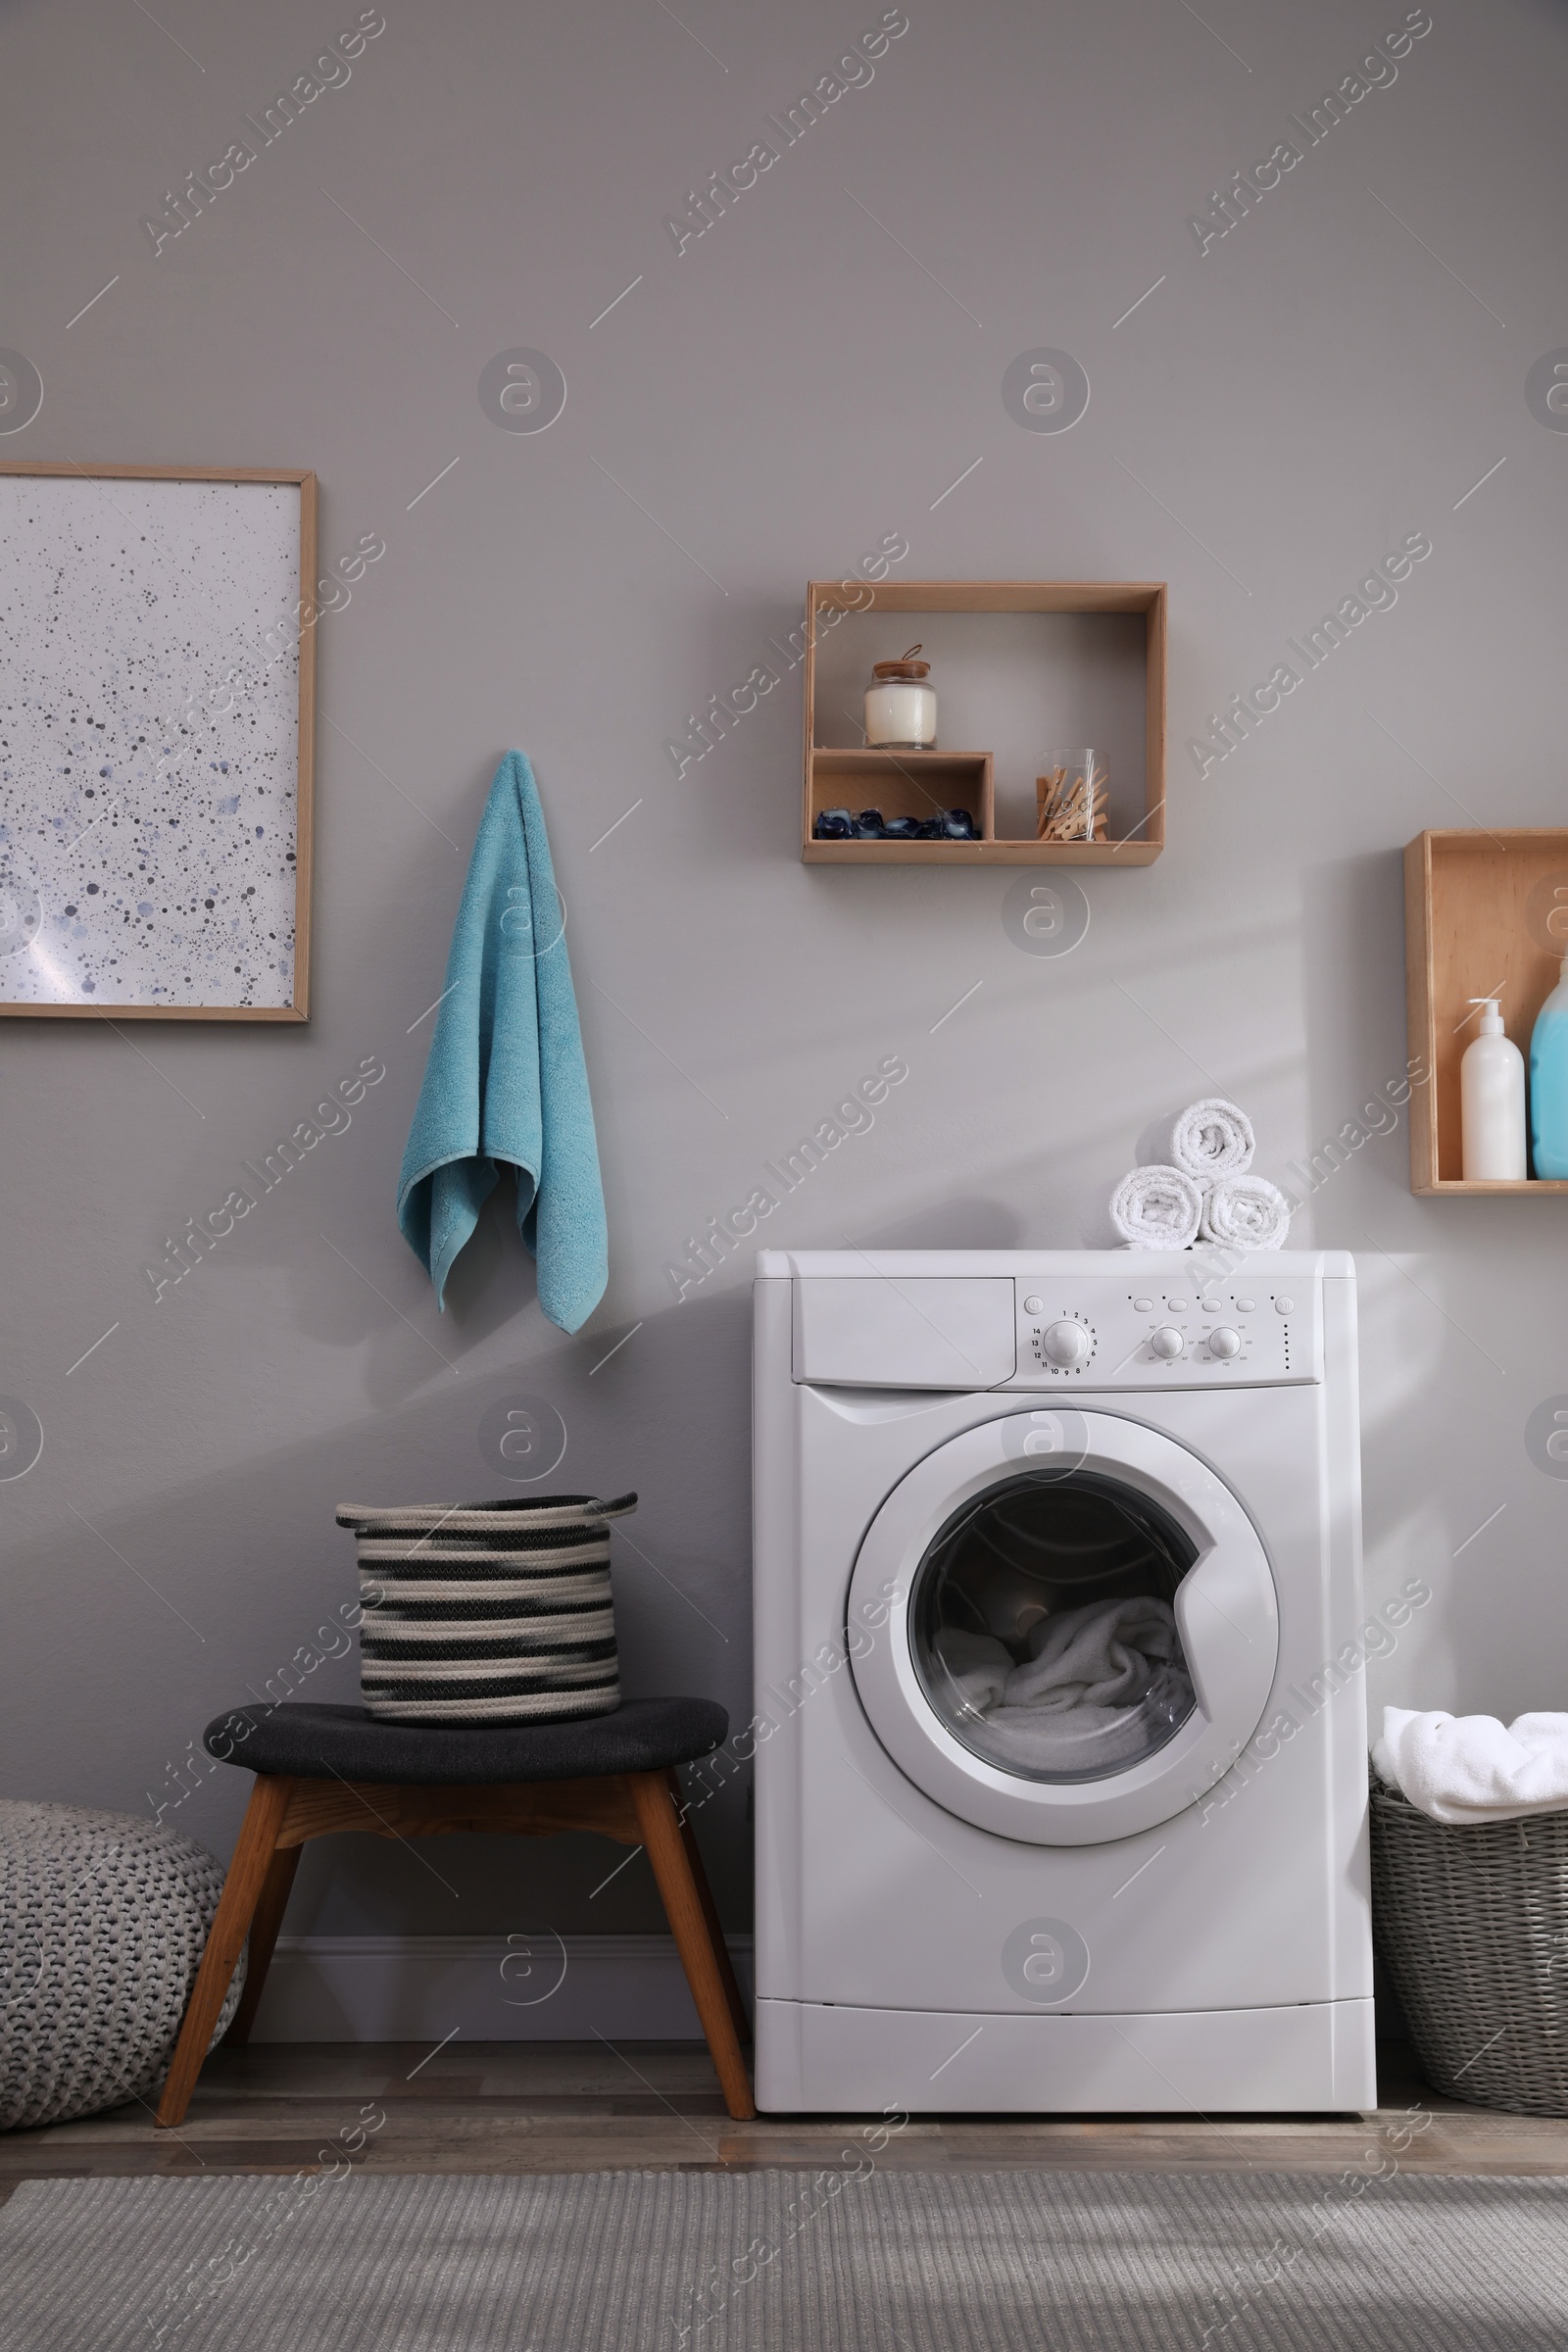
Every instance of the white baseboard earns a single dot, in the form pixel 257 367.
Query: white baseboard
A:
pixel 542 1987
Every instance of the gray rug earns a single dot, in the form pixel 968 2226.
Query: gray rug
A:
pixel 786 2262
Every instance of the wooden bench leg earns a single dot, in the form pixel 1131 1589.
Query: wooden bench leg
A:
pixel 266 1921
pixel 704 1895
pixel 242 1890
pixel 696 1941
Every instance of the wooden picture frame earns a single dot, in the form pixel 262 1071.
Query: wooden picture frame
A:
pixel 122 645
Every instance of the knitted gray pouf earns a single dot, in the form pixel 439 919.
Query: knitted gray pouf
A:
pixel 103 1917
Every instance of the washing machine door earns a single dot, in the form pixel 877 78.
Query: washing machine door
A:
pixel 1063 1627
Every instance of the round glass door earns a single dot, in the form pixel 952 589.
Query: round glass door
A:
pixel 1043 1626
pixel 1063 1649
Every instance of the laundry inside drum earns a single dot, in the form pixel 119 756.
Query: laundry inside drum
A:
pixel 1043 1626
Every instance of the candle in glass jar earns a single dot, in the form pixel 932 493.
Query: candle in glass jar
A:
pixel 901 705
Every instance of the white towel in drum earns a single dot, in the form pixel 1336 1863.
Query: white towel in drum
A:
pixel 1460 1768
pixel 1104 1684
pixel 1245 1212
pixel 1156 1208
pixel 1208 1139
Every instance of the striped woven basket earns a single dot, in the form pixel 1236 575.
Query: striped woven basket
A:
pixel 492 1612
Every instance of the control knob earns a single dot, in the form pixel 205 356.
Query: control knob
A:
pixel 1224 1343
pixel 1066 1344
pixel 1167 1344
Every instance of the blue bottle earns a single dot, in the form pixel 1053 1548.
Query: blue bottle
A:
pixel 1548 1084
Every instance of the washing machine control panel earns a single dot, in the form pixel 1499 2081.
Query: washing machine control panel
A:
pixel 1088 1331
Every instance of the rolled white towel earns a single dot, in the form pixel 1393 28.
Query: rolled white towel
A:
pixel 1208 1139
pixel 1156 1208
pixel 1245 1212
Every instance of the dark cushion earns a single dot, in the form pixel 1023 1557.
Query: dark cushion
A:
pixel 325 1744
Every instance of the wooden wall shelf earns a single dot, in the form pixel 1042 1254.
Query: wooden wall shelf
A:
pixel 919 783
pixel 1474 925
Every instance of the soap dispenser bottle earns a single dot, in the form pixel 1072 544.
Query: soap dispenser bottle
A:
pixel 1491 1101
pixel 1548 1083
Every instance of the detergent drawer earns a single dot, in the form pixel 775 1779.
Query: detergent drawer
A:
pixel 905 1331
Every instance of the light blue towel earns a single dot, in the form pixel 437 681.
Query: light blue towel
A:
pixel 505 1079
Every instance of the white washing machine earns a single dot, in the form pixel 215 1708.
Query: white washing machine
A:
pixel 1060 1735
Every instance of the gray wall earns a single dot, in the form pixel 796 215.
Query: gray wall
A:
pixel 771 403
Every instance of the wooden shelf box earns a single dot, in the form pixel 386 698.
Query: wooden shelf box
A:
pixel 919 783
pixel 900 784
pixel 1475 909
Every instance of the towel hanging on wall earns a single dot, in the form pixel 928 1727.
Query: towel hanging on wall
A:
pixel 506 1081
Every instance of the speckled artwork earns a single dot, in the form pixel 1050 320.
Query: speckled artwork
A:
pixel 149 742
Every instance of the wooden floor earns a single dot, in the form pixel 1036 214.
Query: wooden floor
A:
pixel 533 2107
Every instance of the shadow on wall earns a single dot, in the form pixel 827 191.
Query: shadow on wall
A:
pixel 976 1223
pixel 1475 1519
pixel 238 1584
pixel 493 1282
pixel 1352 974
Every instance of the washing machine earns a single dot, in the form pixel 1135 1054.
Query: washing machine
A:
pixel 1060 1729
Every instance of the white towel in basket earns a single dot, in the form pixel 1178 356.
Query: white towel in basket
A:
pixel 1471 1767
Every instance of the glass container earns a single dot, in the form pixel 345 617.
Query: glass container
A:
pixel 901 705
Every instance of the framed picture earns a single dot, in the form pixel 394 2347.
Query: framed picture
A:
pixel 157 703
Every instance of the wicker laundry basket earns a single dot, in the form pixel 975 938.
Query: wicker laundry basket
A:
pixel 1472 1925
